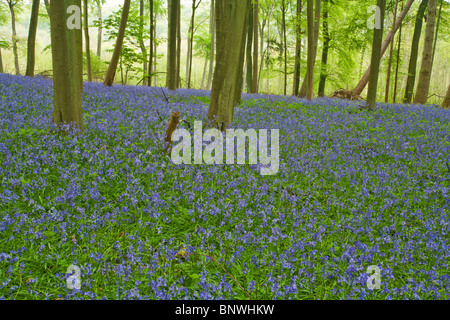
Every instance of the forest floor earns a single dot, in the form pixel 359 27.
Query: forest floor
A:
pixel 355 189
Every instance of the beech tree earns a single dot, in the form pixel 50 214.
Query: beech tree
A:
pixel 172 79
pixel 110 74
pixel 414 52
pixel 423 84
pixel 376 56
pixel 227 82
pixel 87 40
pixel 12 5
pixel 32 38
pixel 67 58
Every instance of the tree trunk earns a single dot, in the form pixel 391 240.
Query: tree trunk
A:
pixel 365 79
pixel 204 74
pixel 67 59
pixel 212 31
pixel 316 27
pixel 326 46
pixel 423 84
pixel 414 52
pixel 110 74
pixel 309 81
pixel 249 59
pixel 1 61
pixel 150 60
pixel 172 80
pixel 298 48
pixel 100 28
pixel 397 62
pixel 391 52
pixel 376 57
pixel 87 41
pixel 179 45
pixel 255 46
pixel 446 102
pixel 230 17
pixel 141 41
pixel 32 38
pixel 435 38
pixel 191 43
pixel 155 50
pixel 283 23
pixel 14 36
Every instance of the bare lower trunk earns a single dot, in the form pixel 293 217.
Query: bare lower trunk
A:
pixel 100 28
pixel 1 61
pixel 67 59
pixel 87 41
pixel 212 31
pixel 391 52
pixel 304 90
pixel 227 83
pixel 14 38
pixel 110 74
pixel 423 84
pixel 412 69
pixel 32 39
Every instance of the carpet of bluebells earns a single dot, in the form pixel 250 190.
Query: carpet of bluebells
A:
pixel 355 189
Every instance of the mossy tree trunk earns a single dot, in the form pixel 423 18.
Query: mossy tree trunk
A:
pixel 423 84
pixel 376 57
pixel 67 57
pixel 227 81
pixel 32 38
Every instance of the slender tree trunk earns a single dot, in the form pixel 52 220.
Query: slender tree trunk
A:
pixel 446 102
pixel 141 41
pixel 283 23
pixel 150 60
pixel 315 39
pixel 376 58
pixel 212 31
pixel 249 59
pixel 32 38
pixel 191 43
pixel 298 48
pixel 204 74
pixel 1 61
pixel 100 28
pixel 414 52
pixel 179 46
pixel 391 52
pixel 398 61
pixel 423 84
pixel 230 17
pixel 436 37
pixel 365 79
pixel 87 41
pixel 109 78
pixel 67 59
pixel 172 79
pixel 310 63
pixel 255 46
pixel 326 46
pixel 14 36
pixel 155 50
